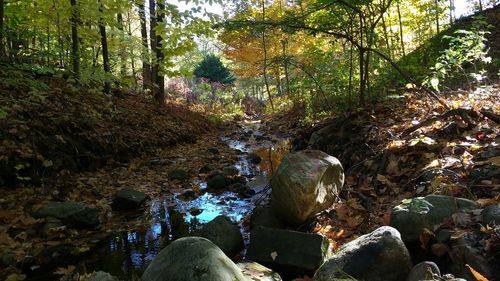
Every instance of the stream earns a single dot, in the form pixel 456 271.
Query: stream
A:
pixel 127 254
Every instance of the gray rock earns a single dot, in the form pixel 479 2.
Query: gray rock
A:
pixel 102 276
pixel 255 271
pixel 51 222
pixel 72 214
pixel 413 215
pixel 423 271
pixel 377 256
pixel 213 150
pixel 230 171
pixel 218 181
pixel 178 174
pixel 295 251
pixel 205 170
pixel 265 216
pixel 128 199
pixel 225 234
pixel 305 183
pixel 192 259
pixel 464 252
pixel 491 215
pixel 254 158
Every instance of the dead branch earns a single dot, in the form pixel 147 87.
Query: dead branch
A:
pixel 491 115
pixel 464 113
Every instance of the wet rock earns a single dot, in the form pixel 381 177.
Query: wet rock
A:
pixel 213 150
pixel 463 251
pixel 305 183
pixel 195 211
pixel 218 181
pixel 254 158
pixel 178 174
pixel 128 199
pixel 102 276
pixel 255 271
pixel 423 271
pixel 230 171
pixel 265 216
pixel 413 215
pixel 225 234
pixel 72 214
pixel 487 172
pixel 377 256
pixel 188 194
pixel 285 249
pixel 192 259
pixel 51 222
pixel 205 169
pixel 491 215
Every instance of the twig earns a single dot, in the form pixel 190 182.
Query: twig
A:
pixel 464 113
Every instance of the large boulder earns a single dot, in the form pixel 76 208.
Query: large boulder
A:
pixel 413 215
pixel 305 183
pixel 218 181
pixel 192 259
pixel 286 249
pixel 225 234
pixel 128 199
pixel 72 214
pixel 377 256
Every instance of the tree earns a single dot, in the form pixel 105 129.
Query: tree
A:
pixel 212 69
pixel 75 18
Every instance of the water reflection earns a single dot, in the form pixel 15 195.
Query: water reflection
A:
pixel 127 254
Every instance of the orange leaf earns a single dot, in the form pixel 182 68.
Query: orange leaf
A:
pixel 476 274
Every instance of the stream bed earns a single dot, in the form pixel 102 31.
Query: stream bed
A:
pixel 127 254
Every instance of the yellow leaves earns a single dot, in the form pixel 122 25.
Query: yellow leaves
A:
pixel 477 275
pixel 65 271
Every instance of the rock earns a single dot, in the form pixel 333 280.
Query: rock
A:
pixel 192 259
pixel 218 181
pixel 188 194
pixel 128 199
pixel 230 171
pixel 254 158
pixel 205 169
pixel 97 192
pixel 51 222
pixel 491 215
pixel 255 271
pixel 305 183
pixel 7 258
pixel 102 276
pixel 377 256
pixel 413 215
pixel 178 174
pixel 464 252
pixel 423 271
pixel 286 249
pixel 213 150
pixel 225 234
pixel 72 214
pixel 265 216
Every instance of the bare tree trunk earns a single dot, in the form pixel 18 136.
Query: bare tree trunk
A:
pixel 59 35
pixel 2 48
pixel 152 40
pixel 75 18
pixel 159 78
pixel 436 7
pixel 146 66
pixel 362 81
pixel 386 38
pixel 132 59
pixel 452 11
pixel 123 56
pixel 265 56
pixel 401 29
pixel 105 53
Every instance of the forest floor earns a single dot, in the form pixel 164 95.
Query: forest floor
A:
pixel 65 145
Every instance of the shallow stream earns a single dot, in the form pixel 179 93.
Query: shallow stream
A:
pixel 127 254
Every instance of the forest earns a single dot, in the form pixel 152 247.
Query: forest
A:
pixel 249 140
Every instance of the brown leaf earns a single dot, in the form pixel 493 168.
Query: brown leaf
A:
pixel 477 275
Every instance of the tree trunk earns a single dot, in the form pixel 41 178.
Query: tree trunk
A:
pixel 159 78
pixel 146 66
pixel 123 56
pixel 132 58
pixel 452 11
pixel 265 57
pixel 436 7
pixel 59 36
pixel 105 53
pixel 2 48
pixel 75 18
pixel 362 81
pixel 152 40
pixel 401 30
